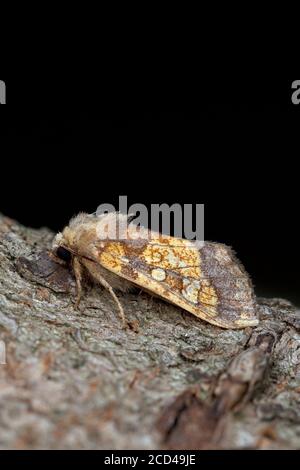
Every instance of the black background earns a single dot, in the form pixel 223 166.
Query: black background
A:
pixel 233 147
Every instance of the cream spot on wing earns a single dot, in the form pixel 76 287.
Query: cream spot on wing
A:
pixel 190 290
pixel 172 258
pixel 158 274
pixel 181 264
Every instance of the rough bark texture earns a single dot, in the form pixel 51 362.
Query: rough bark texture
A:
pixel 77 380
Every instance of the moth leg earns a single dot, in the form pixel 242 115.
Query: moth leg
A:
pixel 77 268
pixel 107 286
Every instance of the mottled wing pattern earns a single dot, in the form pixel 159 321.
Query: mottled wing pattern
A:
pixel 207 281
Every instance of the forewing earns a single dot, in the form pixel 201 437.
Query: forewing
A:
pixel 207 281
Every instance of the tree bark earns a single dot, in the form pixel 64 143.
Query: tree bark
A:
pixel 76 379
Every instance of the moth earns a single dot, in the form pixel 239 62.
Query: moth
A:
pixel 204 279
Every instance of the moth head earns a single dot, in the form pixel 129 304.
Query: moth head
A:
pixel 61 247
pixel 65 243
